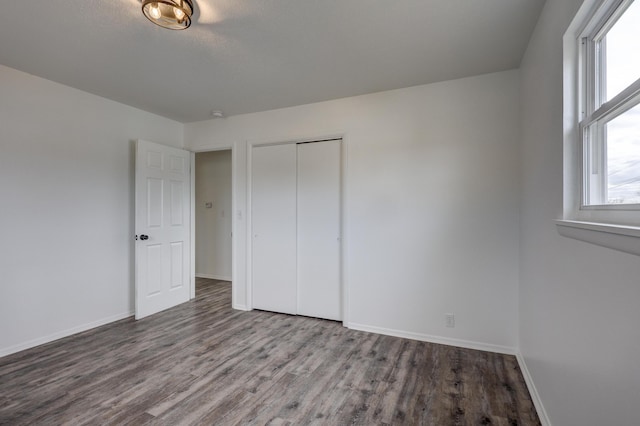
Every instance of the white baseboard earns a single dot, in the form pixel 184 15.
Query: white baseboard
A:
pixel 213 277
pixel 59 335
pixel 535 397
pixel 241 307
pixel 468 344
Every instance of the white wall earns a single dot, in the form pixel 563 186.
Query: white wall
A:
pixel 579 315
pixel 213 225
pixel 66 221
pixel 432 202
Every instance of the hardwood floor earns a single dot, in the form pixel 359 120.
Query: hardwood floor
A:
pixel 204 363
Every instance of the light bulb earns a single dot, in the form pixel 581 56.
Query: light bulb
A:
pixel 154 11
pixel 178 13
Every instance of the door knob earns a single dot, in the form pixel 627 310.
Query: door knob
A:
pixel 144 237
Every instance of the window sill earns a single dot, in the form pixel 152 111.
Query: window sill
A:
pixel 618 237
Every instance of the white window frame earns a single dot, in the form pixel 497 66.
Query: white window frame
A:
pixel 611 225
pixel 596 112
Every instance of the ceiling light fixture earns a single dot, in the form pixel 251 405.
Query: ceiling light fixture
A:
pixel 171 14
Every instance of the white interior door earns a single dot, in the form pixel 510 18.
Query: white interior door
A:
pixel 318 243
pixel 273 218
pixel 162 227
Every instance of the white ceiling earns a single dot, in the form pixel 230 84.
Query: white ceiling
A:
pixel 244 56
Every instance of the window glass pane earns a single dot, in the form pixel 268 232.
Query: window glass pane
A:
pixel 623 51
pixel 623 158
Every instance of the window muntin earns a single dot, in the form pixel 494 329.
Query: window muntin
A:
pixel 610 114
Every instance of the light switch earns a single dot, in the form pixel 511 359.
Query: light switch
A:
pixel 208 204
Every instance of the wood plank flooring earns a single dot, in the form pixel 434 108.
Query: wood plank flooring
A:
pixel 204 363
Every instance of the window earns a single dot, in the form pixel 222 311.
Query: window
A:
pixel 601 125
pixel 609 107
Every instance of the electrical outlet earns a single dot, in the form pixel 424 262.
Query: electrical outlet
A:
pixel 449 320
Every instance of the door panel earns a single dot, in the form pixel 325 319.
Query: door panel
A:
pixel 177 196
pixel 177 268
pixel 273 213
pixel 318 233
pixel 162 212
pixel 152 260
pixel 154 202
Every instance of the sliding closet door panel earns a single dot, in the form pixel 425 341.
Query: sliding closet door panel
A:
pixel 319 290
pixel 273 217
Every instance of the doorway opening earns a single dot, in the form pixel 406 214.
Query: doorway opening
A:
pixel 213 219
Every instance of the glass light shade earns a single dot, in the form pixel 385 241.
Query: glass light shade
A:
pixel 154 11
pixel 171 14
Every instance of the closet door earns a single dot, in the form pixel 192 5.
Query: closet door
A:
pixel 319 289
pixel 273 224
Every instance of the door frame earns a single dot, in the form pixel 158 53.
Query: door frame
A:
pixel 233 218
pixel 344 225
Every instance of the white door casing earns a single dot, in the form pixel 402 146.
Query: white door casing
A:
pixel 162 222
pixel 319 239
